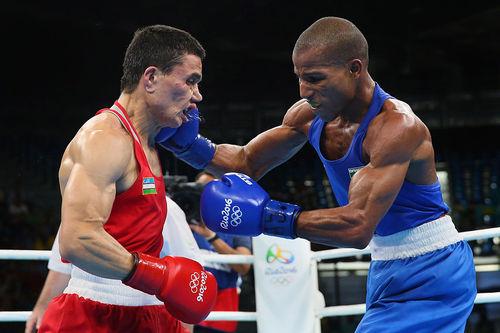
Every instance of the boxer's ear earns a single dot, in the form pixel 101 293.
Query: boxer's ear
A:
pixel 355 66
pixel 150 78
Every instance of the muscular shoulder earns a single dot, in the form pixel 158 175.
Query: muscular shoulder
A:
pixel 299 116
pixel 102 143
pixel 396 132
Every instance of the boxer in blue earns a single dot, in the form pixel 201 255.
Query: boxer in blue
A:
pixel 379 159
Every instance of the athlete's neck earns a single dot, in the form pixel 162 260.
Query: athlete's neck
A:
pixel 358 107
pixel 141 119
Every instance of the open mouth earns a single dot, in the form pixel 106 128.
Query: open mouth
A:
pixel 313 104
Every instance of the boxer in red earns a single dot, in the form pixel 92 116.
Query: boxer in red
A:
pixel 113 201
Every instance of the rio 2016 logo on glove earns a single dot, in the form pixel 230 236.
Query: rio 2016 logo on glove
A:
pixel 244 178
pixel 195 282
pixel 233 213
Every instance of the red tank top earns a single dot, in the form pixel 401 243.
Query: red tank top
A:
pixel 138 214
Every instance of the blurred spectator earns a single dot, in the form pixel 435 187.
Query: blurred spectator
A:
pixel 17 207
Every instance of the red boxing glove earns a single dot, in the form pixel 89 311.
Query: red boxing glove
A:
pixel 188 291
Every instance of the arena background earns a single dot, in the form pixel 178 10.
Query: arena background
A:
pixel 62 62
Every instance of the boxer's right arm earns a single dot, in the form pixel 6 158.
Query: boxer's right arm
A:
pixel 96 161
pixel 93 163
pixel 268 149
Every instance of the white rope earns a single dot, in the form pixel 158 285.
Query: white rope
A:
pixel 342 310
pixel 481 234
pixel 331 311
pixel 232 315
pixel 12 316
pixel 358 309
pixel 45 255
pixel 228 258
pixel 248 259
pixel 24 255
pixel 487 298
pixel 365 265
pixel 341 253
pixel 338 253
pixel 21 316
pixel 344 266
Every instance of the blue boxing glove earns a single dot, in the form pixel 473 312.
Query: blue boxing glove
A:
pixel 237 205
pixel 186 143
pixel 165 134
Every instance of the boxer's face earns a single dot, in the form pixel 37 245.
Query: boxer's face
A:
pixel 177 91
pixel 326 85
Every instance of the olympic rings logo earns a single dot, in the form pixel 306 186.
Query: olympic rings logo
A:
pixel 198 281
pixel 194 282
pixel 236 216
pixel 231 215
pixel 281 280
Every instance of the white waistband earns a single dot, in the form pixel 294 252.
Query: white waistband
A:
pixel 107 291
pixel 414 242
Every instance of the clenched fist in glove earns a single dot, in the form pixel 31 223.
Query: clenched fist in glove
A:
pixel 186 143
pixel 187 289
pixel 236 204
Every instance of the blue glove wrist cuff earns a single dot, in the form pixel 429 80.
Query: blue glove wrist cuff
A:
pixel 279 219
pixel 199 153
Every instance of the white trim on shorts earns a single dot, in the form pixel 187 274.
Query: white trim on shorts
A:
pixel 107 291
pixel 417 241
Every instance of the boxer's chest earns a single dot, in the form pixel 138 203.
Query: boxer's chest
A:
pixel 133 169
pixel 336 139
pixel 153 160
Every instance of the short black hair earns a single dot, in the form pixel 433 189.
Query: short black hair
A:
pixel 341 39
pixel 157 45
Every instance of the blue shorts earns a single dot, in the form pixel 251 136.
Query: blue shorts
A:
pixel 433 292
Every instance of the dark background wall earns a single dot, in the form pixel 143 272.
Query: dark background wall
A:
pixel 61 62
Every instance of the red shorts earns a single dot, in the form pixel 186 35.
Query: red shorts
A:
pixel 227 300
pixel 72 313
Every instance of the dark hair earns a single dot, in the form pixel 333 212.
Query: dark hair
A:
pixel 340 38
pixel 157 45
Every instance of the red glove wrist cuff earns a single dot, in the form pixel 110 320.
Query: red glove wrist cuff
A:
pixel 148 273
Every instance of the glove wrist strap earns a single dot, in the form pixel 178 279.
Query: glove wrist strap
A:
pixel 147 274
pixel 134 268
pixel 279 219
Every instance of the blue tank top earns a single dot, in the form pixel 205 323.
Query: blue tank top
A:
pixel 414 204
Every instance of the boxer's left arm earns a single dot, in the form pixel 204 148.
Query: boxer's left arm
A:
pixel 54 285
pixel 56 281
pixel 268 149
pixel 373 189
pixel 371 193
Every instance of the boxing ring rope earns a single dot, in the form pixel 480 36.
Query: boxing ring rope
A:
pixel 364 265
pixel 358 309
pixel 228 259
pixel 341 310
